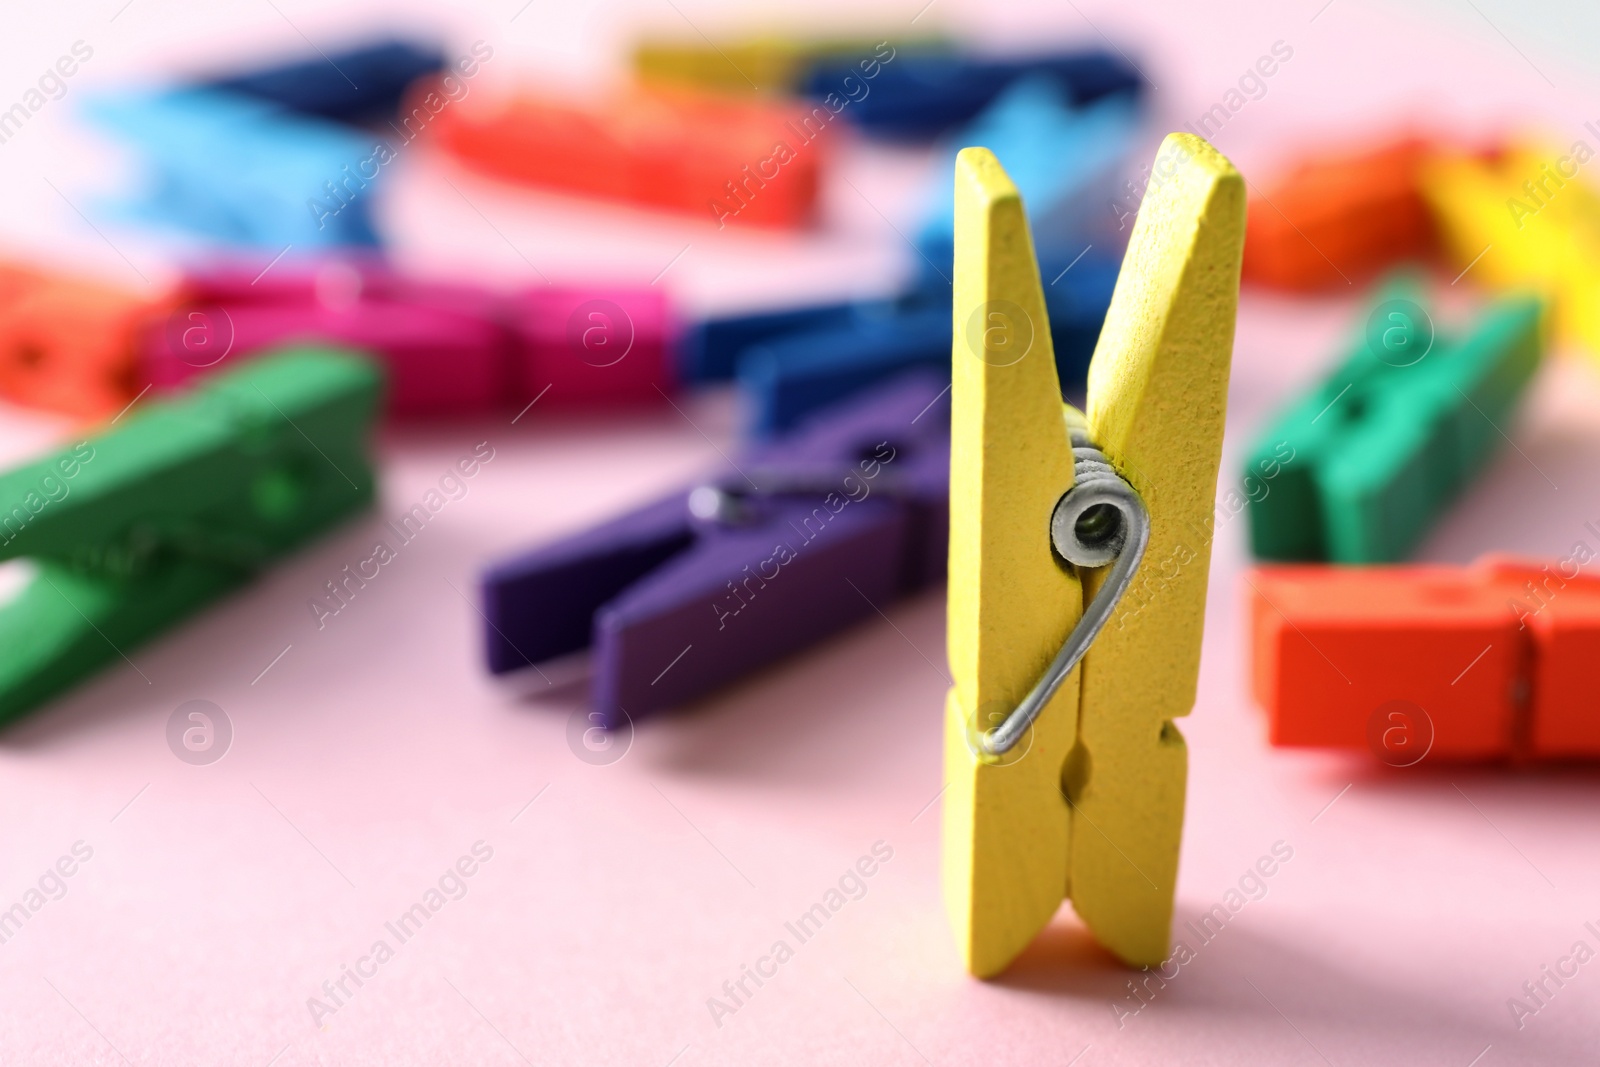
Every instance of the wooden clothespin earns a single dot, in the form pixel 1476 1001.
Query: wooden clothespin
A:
pixel 1525 218
pixel 67 343
pixel 924 92
pixel 448 348
pixel 1342 218
pixel 137 528
pixel 728 159
pixel 360 84
pixel 243 170
pixel 1360 467
pixel 772 62
pixel 689 593
pixel 1086 799
pixel 1431 661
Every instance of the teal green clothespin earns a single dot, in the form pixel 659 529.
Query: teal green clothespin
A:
pixel 134 529
pixel 1359 469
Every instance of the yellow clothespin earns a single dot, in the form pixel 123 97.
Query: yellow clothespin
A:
pixel 1088 801
pixel 1525 219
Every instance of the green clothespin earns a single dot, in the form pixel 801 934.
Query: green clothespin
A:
pixel 141 526
pixel 1359 469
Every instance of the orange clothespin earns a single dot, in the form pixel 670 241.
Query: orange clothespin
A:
pixel 1340 219
pixel 1430 661
pixel 67 344
pixel 727 158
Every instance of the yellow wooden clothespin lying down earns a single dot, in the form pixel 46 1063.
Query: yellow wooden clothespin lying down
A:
pixel 1084 799
pixel 1524 219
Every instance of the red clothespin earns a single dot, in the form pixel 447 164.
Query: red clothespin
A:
pixel 1340 219
pixel 1434 661
pixel 66 344
pixel 728 158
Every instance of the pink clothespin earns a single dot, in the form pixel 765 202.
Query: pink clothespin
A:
pixel 449 348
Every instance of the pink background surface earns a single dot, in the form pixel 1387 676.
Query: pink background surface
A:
pixel 375 752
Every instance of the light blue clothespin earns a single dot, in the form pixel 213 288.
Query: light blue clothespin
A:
pixel 1066 161
pixel 245 171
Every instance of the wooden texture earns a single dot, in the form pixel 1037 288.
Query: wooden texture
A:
pixel 1014 842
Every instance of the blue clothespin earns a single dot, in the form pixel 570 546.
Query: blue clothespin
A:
pixel 361 84
pixel 1062 156
pixel 709 349
pixel 247 172
pixel 785 372
pixel 1077 289
pixel 806 536
pixel 1067 162
pixel 921 94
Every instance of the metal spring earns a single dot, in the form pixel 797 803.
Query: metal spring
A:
pixel 729 503
pixel 1101 520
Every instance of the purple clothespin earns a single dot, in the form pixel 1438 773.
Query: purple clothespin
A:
pixel 811 533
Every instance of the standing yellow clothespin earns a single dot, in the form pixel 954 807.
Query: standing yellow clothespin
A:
pixel 1066 778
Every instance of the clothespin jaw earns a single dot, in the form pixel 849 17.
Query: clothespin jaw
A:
pixel 1158 397
pixel 1090 803
pixel 133 530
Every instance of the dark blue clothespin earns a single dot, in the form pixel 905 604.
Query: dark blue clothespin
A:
pixel 922 93
pixel 793 361
pixel 806 536
pixel 787 378
pixel 711 349
pixel 363 84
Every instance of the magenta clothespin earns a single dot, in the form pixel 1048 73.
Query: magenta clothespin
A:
pixel 449 348
pixel 438 361
pixel 594 345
